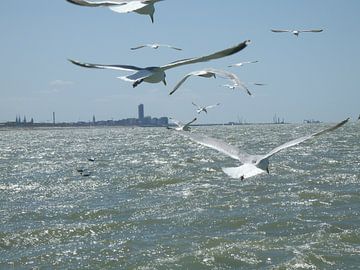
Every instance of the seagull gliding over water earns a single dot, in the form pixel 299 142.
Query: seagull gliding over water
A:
pixel 211 72
pixel 200 109
pixel 145 7
pixel 156 74
pixel 251 164
pixel 181 126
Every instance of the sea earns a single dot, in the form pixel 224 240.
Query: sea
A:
pixel 151 199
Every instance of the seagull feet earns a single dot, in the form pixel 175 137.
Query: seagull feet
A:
pixel 136 83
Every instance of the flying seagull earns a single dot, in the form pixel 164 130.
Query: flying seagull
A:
pixel 242 63
pixel 156 46
pixel 157 74
pixel 209 73
pixel 297 32
pixel 181 126
pixel 200 109
pixel 145 7
pixel 251 164
pixel 234 86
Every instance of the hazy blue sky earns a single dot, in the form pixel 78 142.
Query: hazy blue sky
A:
pixel 312 76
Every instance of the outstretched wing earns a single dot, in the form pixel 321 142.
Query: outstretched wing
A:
pixel 128 6
pixel 212 106
pixel 312 30
pixel 116 67
pixel 279 31
pixel 220 146
pixel 194 73
pixel 176 122
pixel 303 139
pixel 197 106
pixel 232 77
pixel 186 126
pixel 139 75
pixel 171 47
pixel 209 57
pixel 138 47
pixel 95 3
pixel 243 63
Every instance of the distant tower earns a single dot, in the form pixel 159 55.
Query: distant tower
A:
pixel 94 119
pixel 54 118
pixel 141 112
pixel 24 120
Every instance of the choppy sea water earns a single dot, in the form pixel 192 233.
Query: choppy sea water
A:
pixel 155 200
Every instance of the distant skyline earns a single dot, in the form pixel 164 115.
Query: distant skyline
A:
pixel 313 76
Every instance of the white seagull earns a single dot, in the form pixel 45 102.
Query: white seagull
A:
pixel 181 126
pixel 200 109
pixel 242 63
pixel 234 86
pixel 157 74
pixel 156 46
pixel 145 7
pixel 251 164
pixel 209 73
pixel 297 32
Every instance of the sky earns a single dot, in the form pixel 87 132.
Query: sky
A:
pixel 313 76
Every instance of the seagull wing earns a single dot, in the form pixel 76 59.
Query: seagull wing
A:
pixel 186 126
pixel 197 106
pixel 209 57
pixel 194 73
pixel 116 67
pixel 212 106
pixel 232 77
pixel 312 30
pixel 242 63
pixel 138 47
pixel 302 139
pixel 220 146
pixel 178 123
pixel 139 75
pixel 95 3
pixel 126 7
pixel 172 47
pixel 279 31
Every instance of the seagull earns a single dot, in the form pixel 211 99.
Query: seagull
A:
pixel 91 159
pixel 200 109
pixel 251 164
pixel 296 32
pixel 181 126
pixel 145 7
pixel 234 86
pixel 210 72
pixel 242 63
pixel 156 46
pixel 157 74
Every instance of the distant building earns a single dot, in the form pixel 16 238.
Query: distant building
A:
pixel 141 112
pixel 94 120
